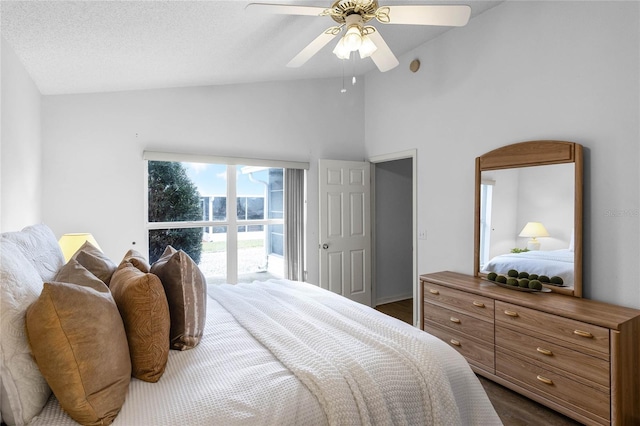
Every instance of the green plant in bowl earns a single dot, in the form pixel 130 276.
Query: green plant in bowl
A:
pixel 556 280
pixel 512 281
pixel 535 285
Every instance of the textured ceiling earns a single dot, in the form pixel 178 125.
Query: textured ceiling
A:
pixel 99 46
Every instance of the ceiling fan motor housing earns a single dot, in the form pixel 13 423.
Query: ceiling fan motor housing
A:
pixel 341 9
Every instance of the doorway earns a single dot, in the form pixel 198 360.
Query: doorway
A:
pixel 394 277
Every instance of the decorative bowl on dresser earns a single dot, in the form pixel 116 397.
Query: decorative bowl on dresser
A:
pixel 579 357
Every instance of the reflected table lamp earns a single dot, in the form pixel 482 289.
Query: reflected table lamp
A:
pixel 70 243
pixel 533 230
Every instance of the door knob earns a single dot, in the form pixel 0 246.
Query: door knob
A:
pixel 325 246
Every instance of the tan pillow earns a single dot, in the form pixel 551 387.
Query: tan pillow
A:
pixel 145 313
pixel 95 261
pixel 185 287
pixel 79 344
pixel 74 273
pixel 137 260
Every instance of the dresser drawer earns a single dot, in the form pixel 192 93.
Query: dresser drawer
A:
pixel 471 304
pixel 480 329
pixel 577 365
pixel 475 352
pixel 559 389
pixel 575 334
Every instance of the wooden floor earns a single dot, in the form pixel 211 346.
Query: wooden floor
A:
pixel 403 310
pixel 513 408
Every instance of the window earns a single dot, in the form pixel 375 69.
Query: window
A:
pixel 486 191
pixel 230 218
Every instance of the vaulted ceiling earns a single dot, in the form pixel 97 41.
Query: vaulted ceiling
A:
pixel 97 46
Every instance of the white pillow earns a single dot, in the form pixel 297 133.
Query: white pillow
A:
pixel 40 246
pixel 572 243
pixel 24 389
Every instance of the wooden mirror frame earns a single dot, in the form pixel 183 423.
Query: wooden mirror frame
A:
pixel 536 153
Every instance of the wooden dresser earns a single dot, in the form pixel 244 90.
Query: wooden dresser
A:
pixel 577 356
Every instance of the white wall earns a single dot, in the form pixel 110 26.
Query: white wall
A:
pixel 93 144
pixel 20 145
pixel 546 194
pixel 522 71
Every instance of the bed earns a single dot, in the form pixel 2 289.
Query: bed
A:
pixel 280 352
pixel 550 263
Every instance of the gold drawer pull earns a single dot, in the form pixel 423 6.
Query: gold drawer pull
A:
pixel 511 313
pixel 583 333
pixel 545 380
pixel 478 304
pixel 454 319
pixel 433 291
pixel 455 342
pixel 544 351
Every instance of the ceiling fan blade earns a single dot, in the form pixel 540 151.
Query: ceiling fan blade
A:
pixel 312 48
pixel 443 15
pixel 285 9
pixel 383 57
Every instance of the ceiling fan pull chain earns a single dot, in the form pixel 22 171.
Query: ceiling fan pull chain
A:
pixel 344 90
pixel 353 62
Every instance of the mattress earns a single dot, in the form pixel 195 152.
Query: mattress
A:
pixel 231 378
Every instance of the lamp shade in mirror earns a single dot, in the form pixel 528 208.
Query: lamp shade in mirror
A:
pixel 533 230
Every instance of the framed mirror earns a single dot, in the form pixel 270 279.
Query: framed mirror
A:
pixel 528 213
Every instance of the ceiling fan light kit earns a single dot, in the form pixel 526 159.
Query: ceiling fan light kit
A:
pixel 353 14
pixel 368 47
pixel 355 38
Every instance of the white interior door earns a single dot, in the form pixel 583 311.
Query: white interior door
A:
pixel 345 231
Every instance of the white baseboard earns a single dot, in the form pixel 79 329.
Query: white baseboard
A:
pixel 395 298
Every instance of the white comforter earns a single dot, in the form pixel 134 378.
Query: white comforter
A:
pixel 549 263
pixel 232 378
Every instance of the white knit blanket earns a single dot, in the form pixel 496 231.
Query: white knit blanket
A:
pixel 361 370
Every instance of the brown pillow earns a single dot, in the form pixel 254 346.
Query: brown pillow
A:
pixel 95 261
pixel 185 287
pixel 74 273
pixel 78 341
pixel 145 313
pixel 137 260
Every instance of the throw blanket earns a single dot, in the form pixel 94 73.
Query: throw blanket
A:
pixel 361 370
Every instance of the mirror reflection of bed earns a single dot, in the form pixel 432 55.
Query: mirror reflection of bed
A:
pixel 527 221
pixel 528 212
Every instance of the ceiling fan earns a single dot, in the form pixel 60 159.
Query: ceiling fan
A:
pixel 352 15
